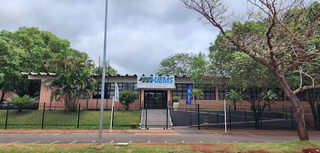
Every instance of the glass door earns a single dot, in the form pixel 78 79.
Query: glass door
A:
pixel 155 99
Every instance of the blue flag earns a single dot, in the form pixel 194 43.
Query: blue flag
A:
pixel 189 94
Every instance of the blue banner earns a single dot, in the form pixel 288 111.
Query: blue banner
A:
pixel 189 95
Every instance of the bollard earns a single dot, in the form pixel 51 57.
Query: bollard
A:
pixel 44 108
pixel 78 117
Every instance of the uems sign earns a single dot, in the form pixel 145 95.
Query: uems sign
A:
pixel 155 82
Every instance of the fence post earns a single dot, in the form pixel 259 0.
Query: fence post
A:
pixel 167 118
pixel 245 116
pixel 190 117
pixel 283 109
pixel 44 108
pixel 229 117
pixel 291 118
pixel 286 114
pixel 87 103
pixel 217 118
pixel 260 117
pixel 198 116
pixel 78 117
pixel 146 122
pixel 5 127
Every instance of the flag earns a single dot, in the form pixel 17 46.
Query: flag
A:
pixel 189 94
pixel 116 92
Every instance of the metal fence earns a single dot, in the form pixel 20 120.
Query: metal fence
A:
pixel 58 118
pixel 213 116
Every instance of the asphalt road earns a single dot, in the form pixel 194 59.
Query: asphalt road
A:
pixel 175 137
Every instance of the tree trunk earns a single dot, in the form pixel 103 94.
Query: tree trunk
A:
pixel 299 113
pixel 234 105
pixel 2 96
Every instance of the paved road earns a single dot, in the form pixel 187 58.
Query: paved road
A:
pixel 174 137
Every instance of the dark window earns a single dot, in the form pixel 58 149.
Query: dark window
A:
pixel 223 91
pixel 209 92
pixel 110 87
pixel 181 90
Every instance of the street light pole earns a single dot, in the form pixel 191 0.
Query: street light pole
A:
pixel 103 72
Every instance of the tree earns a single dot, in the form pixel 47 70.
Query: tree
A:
pixel 74 79
pixel 126 98
pixel 72 86
pixel 26 50
pixel 178 64
pixel 287 37
pixel 20 102
pixel 98 70
pixel 197 94
pixel 233 97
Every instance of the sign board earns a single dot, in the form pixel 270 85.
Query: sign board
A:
pixel 155 82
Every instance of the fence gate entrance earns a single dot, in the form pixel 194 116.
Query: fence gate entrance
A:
pixel 155 99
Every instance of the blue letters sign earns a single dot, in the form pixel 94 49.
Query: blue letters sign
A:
pixel 189 95
pixel 155 82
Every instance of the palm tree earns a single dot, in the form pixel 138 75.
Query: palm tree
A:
pixel 234 97
pixel 197 94
pixel 71 87
pixel 21 102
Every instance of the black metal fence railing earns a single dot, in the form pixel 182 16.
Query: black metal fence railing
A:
pixel 58 118
pixel 212 116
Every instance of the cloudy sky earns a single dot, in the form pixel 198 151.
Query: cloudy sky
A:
pixel 140 32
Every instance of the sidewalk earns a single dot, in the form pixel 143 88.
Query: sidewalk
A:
pixel 236 131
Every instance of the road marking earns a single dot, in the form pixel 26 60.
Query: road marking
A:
pixel 93 141
pixel 200 141
pixel 165 141
pixel 183 142
pixel 16 142
pixel 28 134
pixel 251 142
pixel 54 142
pixel 36 142
pixel 111 141
pixel 56 134
pixel 148 141
pixel 73 142
pixel 13 134
pixel 218 141
pixel 43 134
pixel 235 141
pixel 130 141
pixel 268 142
pixel 157 134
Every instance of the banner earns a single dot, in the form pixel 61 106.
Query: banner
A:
pixel 116 92
pixel 189 95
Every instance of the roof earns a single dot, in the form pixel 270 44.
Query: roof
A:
pixel 95 75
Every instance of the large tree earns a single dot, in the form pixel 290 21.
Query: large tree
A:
pixel 26 50
pixel 286 38
pixel 178 64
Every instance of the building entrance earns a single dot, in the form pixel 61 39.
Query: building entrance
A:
pixel 155 99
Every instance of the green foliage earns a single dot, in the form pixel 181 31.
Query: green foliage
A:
pixel 234 97
pixel 72 86
pixel 127 97
pixel 21 102
pixel 26 50
pixel 179 64
pixel 99 70
pixel 175 99
pixel 197 94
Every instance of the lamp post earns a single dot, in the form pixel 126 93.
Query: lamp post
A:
pixel 103 72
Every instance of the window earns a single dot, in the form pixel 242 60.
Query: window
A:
pixel 209 92
pixel 181 90
pixel 110 87
pixel 223 91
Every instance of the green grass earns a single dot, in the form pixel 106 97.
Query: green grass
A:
pixel 59 119
pixel 290 147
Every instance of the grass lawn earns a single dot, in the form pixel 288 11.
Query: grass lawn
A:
pixel 290 147
pixel 59 119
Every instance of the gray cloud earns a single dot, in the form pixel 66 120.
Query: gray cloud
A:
pixel 140 33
